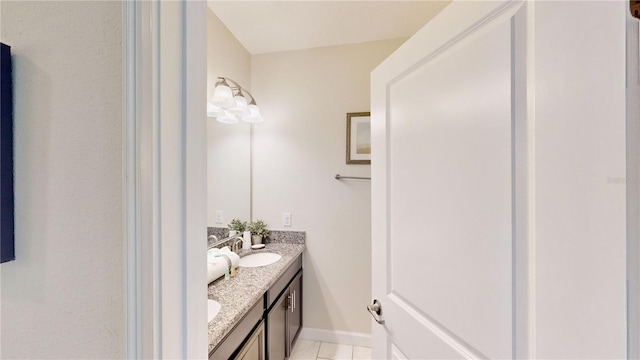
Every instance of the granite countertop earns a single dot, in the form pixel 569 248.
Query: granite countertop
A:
pixel 238 294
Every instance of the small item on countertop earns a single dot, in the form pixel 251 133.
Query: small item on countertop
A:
pixel 257 246
pixel 220 262
pixel 258 230
pixel 233 271
pixel 246 240
pixel 235 259
pixel 238 226
pixel 229 265
pixel 217 260
pixel 232 232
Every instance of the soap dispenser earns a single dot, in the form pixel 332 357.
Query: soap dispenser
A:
pixel 246 240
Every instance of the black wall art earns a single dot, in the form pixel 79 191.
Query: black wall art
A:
pixel 7 241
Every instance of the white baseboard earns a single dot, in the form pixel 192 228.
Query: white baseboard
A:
pixel 336 337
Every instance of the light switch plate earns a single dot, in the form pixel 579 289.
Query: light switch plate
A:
pixel 286 219
pixel 219 218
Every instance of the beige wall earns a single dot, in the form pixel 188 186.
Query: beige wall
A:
pixel 228 146
pixel 304 96
pixel 63 296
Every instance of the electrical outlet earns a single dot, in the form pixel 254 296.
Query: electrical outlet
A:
pixel 286 219
pixel 219 218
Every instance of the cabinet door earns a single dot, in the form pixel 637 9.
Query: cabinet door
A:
pixel 254 348
pixel 234 340
pixel 295 313
pixel 277 329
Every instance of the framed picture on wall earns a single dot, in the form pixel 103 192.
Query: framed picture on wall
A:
pixel 7 237
pixel 359 138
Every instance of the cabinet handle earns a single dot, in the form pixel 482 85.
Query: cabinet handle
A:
pixel 294 299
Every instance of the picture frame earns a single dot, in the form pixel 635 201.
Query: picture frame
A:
pixel 359 138
pixel 7 199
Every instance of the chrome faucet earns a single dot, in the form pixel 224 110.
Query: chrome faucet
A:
pixel 236 243
pixel 212 241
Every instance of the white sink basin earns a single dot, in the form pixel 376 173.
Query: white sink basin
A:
pixel 259 259
pixel 213 309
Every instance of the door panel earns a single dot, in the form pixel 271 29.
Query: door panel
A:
pixel 452 139
pixel 498 184
pixel 396 354
pixel 277 333
pixel 448 129
pixel 254 347
pixel 295 316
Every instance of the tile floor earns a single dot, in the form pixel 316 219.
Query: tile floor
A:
pixel 314 350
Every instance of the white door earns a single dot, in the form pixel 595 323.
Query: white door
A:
pixel 497 231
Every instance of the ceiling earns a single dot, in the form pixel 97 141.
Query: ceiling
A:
pixel 270 26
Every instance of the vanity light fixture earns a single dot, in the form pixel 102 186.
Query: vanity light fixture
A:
pixel 229 103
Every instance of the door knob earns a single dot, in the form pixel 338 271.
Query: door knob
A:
pixel 375 310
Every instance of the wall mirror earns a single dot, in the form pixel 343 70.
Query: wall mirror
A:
pixel 228 145
pixel 228 172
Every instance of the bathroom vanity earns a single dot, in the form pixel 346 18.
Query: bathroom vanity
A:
pixel 261 308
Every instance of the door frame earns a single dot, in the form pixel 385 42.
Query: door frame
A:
pixel 164 63
pixel 633 187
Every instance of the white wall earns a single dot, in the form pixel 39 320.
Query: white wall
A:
pixel 229 146
pixel 63 296
pixel 304 96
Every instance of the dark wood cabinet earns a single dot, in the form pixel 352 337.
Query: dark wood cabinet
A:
pixel 237 338
pixel 284 320
pixel 295 314
pixel 254 348
pixel 277 322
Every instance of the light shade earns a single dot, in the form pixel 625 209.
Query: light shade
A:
pixel 222 96
pixel 240 108
pixel 254 115
pixel 214 111
pixel 227 108
pixel 228 118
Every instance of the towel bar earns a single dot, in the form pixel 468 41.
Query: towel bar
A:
pixel 338 177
